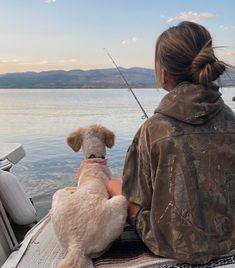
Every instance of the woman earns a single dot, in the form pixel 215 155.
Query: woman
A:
pixel 179 172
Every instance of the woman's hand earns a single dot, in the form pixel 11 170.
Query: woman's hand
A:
pixel 114 187
pixel 132 211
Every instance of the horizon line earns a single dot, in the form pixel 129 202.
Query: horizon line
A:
pixel 62 70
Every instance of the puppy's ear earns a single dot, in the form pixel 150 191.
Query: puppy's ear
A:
pixel 74 139
pixel 109 138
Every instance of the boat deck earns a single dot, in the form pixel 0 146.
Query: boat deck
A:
pixel 41 249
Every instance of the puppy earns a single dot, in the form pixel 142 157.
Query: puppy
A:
pixel 86 222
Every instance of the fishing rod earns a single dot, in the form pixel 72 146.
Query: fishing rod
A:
pixel 127 84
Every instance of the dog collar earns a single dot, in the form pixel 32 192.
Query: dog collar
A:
pixel 94 156
pixel 91 161
pixel 94 161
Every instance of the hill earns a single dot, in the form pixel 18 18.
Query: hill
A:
pixel 99 78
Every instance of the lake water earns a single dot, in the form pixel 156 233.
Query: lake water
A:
pixel 41 119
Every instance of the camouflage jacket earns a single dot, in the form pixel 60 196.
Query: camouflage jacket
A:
pixel 180 168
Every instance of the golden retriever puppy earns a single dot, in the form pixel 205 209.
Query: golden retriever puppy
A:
pixel 86 222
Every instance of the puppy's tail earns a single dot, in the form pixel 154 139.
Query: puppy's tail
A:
pixel 73 259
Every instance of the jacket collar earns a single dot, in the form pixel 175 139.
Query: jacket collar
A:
pixel 191 103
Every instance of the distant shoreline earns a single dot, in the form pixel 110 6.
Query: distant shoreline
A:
pixel 228 85
pixel 137 77
pixel 117 88
pixel 78 88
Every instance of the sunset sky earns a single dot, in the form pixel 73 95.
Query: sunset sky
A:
pixel 39 35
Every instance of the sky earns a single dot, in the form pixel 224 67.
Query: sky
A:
pixel 40 35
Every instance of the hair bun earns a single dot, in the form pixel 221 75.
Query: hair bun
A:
pixel 205 67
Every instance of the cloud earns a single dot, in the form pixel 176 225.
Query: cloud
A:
pixel 50 1
pixel 40 62
pixel 227 27
pixel 21 65
pixel 192 16
pixel 9 61
pixel 31 63
pixel 43 62
pixel 226 54
pixel 68 61
pixel 129 41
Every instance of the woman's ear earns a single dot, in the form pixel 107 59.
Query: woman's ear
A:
pixel 161 74
pixel 168 80
pixel 164 77
pixel 74 139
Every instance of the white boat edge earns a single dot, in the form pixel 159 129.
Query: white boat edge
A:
pixel 15 257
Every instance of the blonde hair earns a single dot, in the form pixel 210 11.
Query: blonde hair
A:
pixel 186 52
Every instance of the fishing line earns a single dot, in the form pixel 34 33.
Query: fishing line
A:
pixel 127 84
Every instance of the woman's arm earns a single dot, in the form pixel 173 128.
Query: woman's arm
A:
pixel 136 183
pixel 114 187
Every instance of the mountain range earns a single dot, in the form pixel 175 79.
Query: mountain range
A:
pixel 100 78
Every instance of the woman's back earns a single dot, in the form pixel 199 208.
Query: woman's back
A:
pixel 186 185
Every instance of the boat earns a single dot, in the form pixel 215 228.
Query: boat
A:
pixel 41 249
pixel 16 209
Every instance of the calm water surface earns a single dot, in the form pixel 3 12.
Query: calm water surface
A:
pixel 41 119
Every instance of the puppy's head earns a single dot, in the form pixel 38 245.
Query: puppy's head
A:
pixel 93 139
